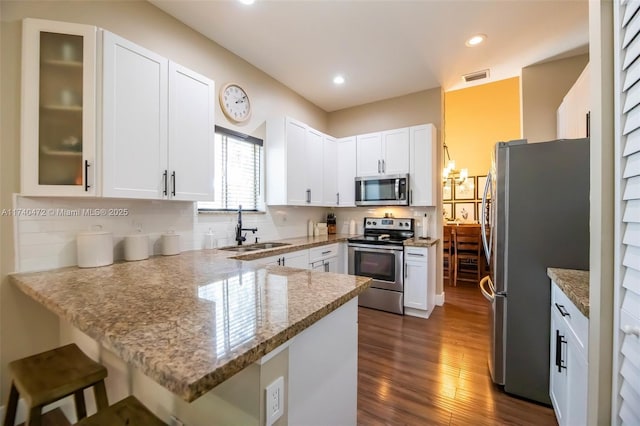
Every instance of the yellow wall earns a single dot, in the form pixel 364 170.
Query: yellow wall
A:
pixel 476 118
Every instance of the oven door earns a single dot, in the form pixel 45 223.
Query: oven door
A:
pixel 383 265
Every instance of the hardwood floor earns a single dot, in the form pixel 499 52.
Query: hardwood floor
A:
pixel 413 371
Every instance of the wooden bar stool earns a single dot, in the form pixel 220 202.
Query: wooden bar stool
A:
pixel 49 376
pixel 126 412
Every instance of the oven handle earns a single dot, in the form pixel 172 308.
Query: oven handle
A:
pixel 364 247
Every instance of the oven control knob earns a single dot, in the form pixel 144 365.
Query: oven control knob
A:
pixel 368 223
pixel 375 223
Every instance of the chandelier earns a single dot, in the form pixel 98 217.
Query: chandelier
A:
pixel 449 168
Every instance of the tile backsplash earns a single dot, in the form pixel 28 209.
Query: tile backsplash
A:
pixel 46 227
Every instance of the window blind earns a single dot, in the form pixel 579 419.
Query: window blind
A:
pixel 237 171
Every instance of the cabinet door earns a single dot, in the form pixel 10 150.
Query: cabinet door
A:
pixel 557 366
pixel 314 166
pixel 295 135
pixel 369 154
pixel 297 259
pixel 58 109
pixel 331 264
pixel 134 138
pixel 330 171
pixel 191 134
pixel 423 170
pixel 576 384
pixel 415 278
pixel 395 158
pixel 346 171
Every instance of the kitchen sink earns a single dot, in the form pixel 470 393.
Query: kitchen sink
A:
pixel 254 247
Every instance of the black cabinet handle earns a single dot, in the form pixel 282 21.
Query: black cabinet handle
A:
pixel 337 198
pixel 279 262
pixel 164 177
pixel 559 342
pixel 308 195
pixel 563 311
pixel 283 259
pixel 86 175
pixel 173 180
pixel 589 124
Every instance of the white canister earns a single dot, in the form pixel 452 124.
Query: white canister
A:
pixel 170 243
pixel 352 227
pixel 136 247
pixel 95 248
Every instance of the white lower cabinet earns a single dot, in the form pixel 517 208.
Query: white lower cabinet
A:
pixel 294 259
pixel 324 258
pixel 419 282
pixel 568 360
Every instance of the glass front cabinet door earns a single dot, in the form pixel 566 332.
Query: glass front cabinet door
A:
pixel 58 146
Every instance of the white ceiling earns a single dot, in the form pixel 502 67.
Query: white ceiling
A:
pixel 386 48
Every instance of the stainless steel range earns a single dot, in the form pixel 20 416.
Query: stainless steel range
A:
pixel 379 254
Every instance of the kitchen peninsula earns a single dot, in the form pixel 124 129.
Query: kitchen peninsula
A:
pixel 214 331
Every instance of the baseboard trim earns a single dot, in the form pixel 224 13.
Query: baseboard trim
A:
pixel 440 299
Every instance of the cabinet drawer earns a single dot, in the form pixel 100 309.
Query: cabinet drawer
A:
pixel 577 322
pixel 323 252
pixel 417 254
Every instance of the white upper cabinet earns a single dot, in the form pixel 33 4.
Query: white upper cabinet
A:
pixel 383 153
pixel 346 171
pixel 573 113
pixel 330 160
pixel 314 166
pixel 158 124
pixel 191 134
pixel 134 135
pixel 395 150
pixel 369 153
pixel 423 170
pixel 294 163
pixel 58 129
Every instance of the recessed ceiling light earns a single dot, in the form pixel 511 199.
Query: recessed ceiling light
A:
pixel 476 40
pixel 247 1
pixel 338 79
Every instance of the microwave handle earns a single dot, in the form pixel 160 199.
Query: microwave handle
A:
pixel 397 188
pixel 384 167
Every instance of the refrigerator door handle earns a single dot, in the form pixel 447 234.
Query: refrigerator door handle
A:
pixel 483 220
pixel 488 294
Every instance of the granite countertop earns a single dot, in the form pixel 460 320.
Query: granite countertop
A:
pixel 575 284
pixel 421 242
pixel 170 316
pixel 293 244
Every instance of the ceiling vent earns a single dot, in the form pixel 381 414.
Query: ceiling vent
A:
pixel 474 76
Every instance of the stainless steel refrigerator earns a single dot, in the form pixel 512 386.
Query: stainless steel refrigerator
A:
pixel 536 215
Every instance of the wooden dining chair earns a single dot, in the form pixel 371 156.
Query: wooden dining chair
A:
pixel 467 243
pixel 447 254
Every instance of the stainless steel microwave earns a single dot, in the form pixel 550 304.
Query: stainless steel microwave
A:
pixel 389 190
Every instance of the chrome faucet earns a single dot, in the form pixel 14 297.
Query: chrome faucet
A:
pixel 239 237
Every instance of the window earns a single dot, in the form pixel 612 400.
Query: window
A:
pixel 237 173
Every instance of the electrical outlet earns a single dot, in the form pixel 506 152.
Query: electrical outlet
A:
pixel 274 401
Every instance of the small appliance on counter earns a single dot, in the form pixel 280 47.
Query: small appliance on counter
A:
pixel 95 248
pixel 331 223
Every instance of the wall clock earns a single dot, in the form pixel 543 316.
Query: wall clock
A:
pixel 234 102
